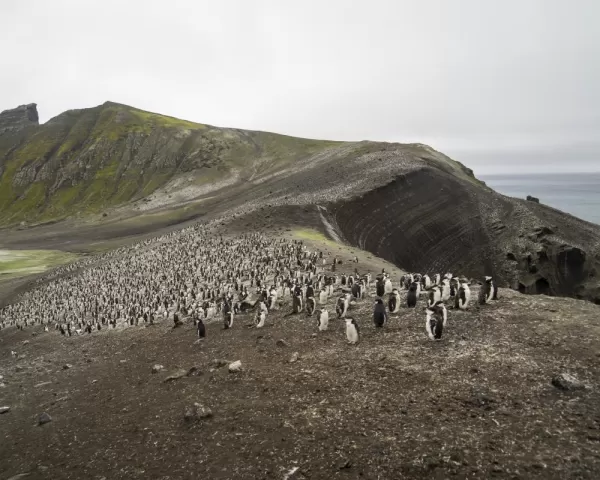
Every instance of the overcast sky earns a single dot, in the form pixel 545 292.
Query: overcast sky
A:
pixel 497 84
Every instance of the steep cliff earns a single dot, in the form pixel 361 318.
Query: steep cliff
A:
pixel 406 203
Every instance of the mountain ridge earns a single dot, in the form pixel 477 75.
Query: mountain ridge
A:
pixel 407 203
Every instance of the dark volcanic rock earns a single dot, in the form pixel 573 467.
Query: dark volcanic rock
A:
pixel 564 381
pixel 18 118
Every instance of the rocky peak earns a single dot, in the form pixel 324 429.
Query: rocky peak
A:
pixel 18 118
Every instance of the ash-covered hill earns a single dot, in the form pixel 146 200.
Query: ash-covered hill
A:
pixel 408 204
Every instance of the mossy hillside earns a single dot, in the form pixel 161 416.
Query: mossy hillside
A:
pixel 17 263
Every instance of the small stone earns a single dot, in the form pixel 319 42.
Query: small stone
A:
pixel 344 465
pixel 26 342
pixel 157 368
pixel 42 468
pixel 218 363
pixel 281 343
pixel 177 374
pixel 564 381
pixel 44 418
pixel 194 372
pixel 295 357
pixel 197 412
pixel 41 384
pixel 88 360
pixel 4 410
pixel 235 366
pixel 122 361
pixel 66 366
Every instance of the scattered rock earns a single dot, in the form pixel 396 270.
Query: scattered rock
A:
pixel 26 342
pixel 564 381
pixel 42 384
pixel 20 475
pixel 42 468
pixel 194 372
pixel 177 374
pixel 295 357
pixel 235 367
pixel 66 366
pixel 44 418
pixel 196 412
pixel 218 363
pixel 4 410
pixel 281 343
pixel 122 361
pixel 344 465
pixel 157 368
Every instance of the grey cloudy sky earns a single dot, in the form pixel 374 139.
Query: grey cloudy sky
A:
pixel 497 84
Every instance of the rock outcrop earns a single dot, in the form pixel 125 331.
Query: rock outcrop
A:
pixel 18 118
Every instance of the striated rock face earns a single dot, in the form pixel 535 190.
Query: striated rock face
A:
pixel 18 118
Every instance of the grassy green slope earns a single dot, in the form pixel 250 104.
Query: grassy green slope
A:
pixel 84 161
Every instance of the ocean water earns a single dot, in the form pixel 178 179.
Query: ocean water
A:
pixel 574 193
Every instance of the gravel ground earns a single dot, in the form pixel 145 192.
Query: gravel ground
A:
pixel 478 404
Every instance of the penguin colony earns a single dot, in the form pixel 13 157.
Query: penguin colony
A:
pixel 197 276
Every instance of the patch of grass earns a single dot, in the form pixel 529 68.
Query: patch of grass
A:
pixel 165 121
pixel 17 263
pixel 314 236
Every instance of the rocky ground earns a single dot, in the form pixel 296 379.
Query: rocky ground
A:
pixel 478 404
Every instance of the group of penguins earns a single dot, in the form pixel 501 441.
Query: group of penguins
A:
pixel 195 274
pixel 438 290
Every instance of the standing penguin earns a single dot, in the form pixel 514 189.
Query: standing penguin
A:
pixel 201 328
pixel 494 291
pixel 394 301
pixel 380 287
pixel 310 306
pixel 434 322
pixel 323 296
pixel 342 305
pixel 441 305
pixel 379 314
pixel 426 282
pixel 387 285
pixel 435 295
pixel 413 295
pixel 352 331
pixel 437 279
pixel 322 320
pixel 228 320
pixel 445 289
pixel 356 291
pixel 297 303
pixel 461 301
pixel 486 291
pixel 260 319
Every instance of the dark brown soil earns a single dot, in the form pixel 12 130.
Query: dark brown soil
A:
pixel 478 404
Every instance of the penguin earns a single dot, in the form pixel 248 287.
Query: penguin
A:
pixel 342 305
pixel 323 296
pixel 486 291
pixel 387 286
pixel 356 291
pixel 494 291
pixel 344 280
pixel 379 314
pixel 441 305
pixel 413 295
pixel 437 279
pixel 260 319
pixel 434 322
pixel 426 281
pixel 310 306
pixel 461 301
pixel 322 320
pixel 310 291
pixel 435 295
pixel 228 320
pixel 201 329
pixel 445 289
pixel 454 286
pixel 297 304
pixel 394 301
pixel 352 331
pixel 380 287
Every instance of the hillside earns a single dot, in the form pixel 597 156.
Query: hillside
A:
pixel 116 171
